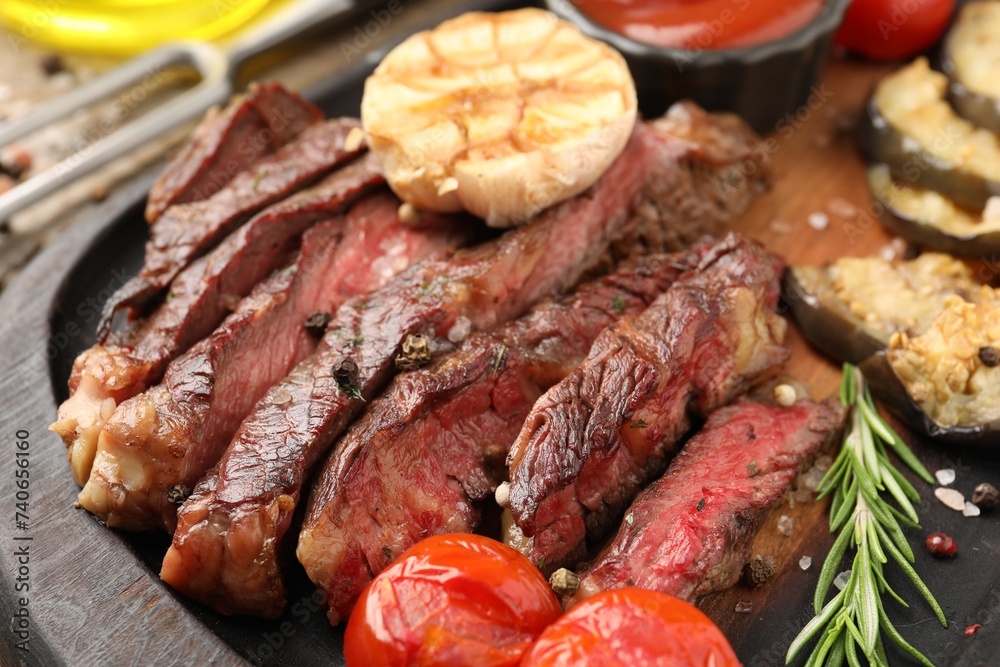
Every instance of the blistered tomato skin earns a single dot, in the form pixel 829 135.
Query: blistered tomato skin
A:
pixel 451 600
pixel 632 627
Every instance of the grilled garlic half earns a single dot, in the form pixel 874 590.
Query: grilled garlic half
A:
pixel 502 115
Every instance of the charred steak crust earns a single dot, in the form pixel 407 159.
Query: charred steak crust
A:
pixel 227 142
pixel 200 298
pixel 690 532
pixel 721 166
pixel 187 231
pixel 231 531
pixel 160 443
pixel 593 440
pixel 434 444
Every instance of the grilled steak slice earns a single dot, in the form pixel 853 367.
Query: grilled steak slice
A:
pixel 201 296
pixel 691 531
pixel 241 512
pixel 457 418
pixel 186 231
pixel 594 440
pixel 159 443
pixel 227 142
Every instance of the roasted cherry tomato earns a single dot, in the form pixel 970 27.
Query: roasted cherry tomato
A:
pixel 891 29
pixel 632 627
pixel 451 600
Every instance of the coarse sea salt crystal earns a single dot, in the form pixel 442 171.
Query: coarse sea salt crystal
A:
pixel 970 509
pixel 951 498
pixel 744 607
pixel 459 330
pixel 805 562
pixel 841 581
pixel 818 220
pixel 786 525
pixel 945 476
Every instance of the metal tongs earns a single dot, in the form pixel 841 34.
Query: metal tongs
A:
pixel 216 66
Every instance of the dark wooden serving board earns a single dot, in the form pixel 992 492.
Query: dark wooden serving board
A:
pixel 95 597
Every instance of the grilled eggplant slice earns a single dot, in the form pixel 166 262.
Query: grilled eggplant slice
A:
pixel 971 60
pixel 849 310
pixel 945 382
pixel 911 128
pixel 931 220
pixel 825 320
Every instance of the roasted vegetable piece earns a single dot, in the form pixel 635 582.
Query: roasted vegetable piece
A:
pixel 451 600
pixel 632 627
pixel 945 382
pixel 931 220
pixel 850 309
pixel 911 128
pixel 971 58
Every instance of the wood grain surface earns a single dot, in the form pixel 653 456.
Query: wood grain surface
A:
pixel 816 161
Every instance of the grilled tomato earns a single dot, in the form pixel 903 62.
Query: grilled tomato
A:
pixel 891 29
pixel 632 627
pixel 451 600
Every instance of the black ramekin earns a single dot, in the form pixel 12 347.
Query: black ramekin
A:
pixel 762 83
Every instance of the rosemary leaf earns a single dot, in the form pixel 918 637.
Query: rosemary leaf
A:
pixel 830 567
pixel 871 504
pixel 893 634
pixel 851 650
pixel 909 458
pixel 896 491
pixel 814 626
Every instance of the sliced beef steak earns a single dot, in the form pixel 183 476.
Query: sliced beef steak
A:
pixel 200 297
pixel 434 444
pixel 225 143
pixel 240 513
pixel 596 438
pixel 186 231
pixel 690 532
pixel 159 443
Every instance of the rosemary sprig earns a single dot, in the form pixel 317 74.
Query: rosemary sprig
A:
pixel 859 479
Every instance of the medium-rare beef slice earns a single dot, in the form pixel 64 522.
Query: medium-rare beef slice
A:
pixel 690 532
pixel 200 297
pixel 186 231
pixel 240 513
pixel 596 438
pixel 159 443
pixel 434 444
pixel 226 142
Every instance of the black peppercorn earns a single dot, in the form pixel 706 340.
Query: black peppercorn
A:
pixel 759 570
pixel 990 356
pixel 985 496
pixel 316 323
pixel 346 374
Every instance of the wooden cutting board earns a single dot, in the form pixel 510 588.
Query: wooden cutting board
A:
pixel 818 169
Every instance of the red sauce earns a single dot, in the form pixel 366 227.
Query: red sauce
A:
pixel 702 24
